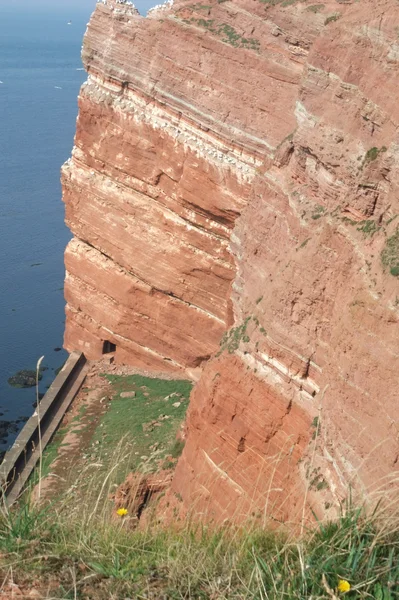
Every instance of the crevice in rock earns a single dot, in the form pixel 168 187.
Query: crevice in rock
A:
pixel 218 218
pixel 279 424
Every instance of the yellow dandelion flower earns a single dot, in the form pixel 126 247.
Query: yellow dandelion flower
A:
pixel 344 586
pixel 121 512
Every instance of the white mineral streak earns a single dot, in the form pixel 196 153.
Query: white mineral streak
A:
pixel 304 118
pixel 204 144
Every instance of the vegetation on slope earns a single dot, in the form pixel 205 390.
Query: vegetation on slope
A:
pixel 76 545
pixel 134 422
pixel 148 422
pixel 390 254
pixel 83 555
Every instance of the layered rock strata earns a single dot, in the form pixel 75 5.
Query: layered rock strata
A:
pixel 236 166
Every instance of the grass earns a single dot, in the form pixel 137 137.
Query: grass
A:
pixel 134 434
pixel 332 18
pixel 283 3
pixel 318 212
pixel 368 228
pixel 51 451
pixel 148 423
pixel 315 8
pixel 372 154
pixel 226 32
pixel 76 547
pixel 391 219
pixel 231 339
pixel 94 557
pixel 304 243
pixel 390 254
pixel 200 6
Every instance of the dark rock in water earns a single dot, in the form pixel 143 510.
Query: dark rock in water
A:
pixel 7 427
pixel 57 349
pixel 22 420
pixel 40 397
pixel 24 379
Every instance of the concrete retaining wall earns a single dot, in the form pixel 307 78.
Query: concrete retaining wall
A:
pixel 24 454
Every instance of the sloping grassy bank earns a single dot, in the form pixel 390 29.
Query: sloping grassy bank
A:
pixel 85 555
pixel 122 424
pixel 72 544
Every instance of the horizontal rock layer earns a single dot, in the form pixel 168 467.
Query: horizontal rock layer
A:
pixel 236 165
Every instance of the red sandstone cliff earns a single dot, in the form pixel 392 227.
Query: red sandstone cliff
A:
pixel 236 164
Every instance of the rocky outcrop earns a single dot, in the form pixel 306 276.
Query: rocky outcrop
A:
pixel 236 167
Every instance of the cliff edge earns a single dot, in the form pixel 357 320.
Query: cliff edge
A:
pixel 233 193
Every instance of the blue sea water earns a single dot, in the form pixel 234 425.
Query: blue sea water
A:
pixel 40 74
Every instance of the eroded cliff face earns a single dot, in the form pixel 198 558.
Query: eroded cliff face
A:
pixel 236 167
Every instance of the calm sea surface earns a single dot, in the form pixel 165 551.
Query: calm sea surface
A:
pixel 40 74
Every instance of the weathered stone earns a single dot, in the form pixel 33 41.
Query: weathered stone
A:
pixel 128 394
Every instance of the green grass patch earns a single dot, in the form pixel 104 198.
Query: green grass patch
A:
pixel 372 154
pixel 231 339
pixel 315 8
pixel 390 254
pixel 304 243
pixel 81 413
pixel 200 6
pixel 349 221
pixel 332 18
pixel 177 448
pixel 147 423
pixel 276 2
pixel 368 228
pixel 318 212
pixel 391 219
pixel 226 32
